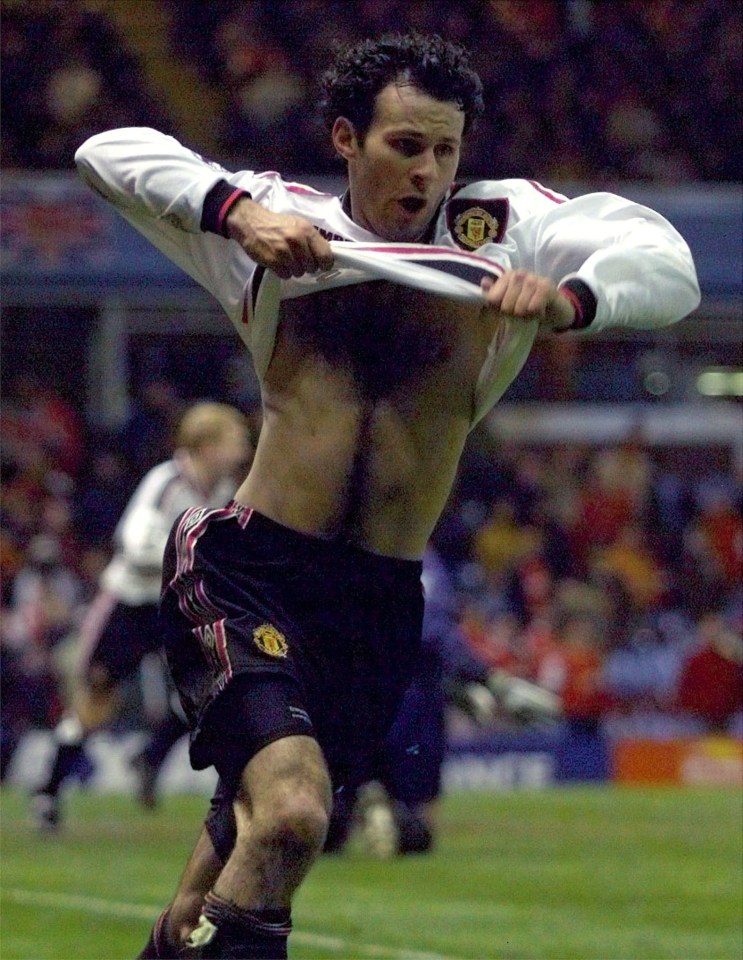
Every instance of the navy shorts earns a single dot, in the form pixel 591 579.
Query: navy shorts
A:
pixel 115 637
pixel 270 632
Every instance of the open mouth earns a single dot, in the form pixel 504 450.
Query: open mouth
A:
pixel 412 204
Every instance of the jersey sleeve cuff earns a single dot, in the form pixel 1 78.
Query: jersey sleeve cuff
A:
pixel 583 300
pixel 217 204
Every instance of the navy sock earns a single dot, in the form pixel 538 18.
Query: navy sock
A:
pixel 159 946
pixel 246 934
pixel 67 758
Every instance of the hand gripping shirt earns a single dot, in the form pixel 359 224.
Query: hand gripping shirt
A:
pixel 636 268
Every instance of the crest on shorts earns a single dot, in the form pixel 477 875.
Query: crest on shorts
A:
pixel 473 225
pixel 270 640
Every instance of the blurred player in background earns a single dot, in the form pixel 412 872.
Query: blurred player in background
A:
pixel 212 449
pixel 395 814
pixel 292 617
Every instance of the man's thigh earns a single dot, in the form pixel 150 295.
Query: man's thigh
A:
pixel 292 767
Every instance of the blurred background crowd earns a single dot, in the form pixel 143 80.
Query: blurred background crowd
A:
pixel 577 90
pixel 608 572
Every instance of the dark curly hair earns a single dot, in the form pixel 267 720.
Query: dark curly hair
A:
pixel 361 70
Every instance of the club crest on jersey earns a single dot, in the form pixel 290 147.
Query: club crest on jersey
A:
pixel 473 225
pixel 270 640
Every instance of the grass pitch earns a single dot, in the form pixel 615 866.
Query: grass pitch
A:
pixel 599 873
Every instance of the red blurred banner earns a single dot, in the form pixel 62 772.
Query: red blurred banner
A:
pixel 704 761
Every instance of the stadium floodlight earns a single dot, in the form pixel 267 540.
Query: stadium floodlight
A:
pixel 720 382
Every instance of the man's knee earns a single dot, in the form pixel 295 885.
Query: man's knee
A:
pixel 295 821
pixel 286 795
pixel 302 818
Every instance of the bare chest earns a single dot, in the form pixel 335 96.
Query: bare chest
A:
pixel 388 337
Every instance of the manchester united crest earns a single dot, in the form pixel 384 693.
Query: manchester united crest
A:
pixel 474 227
pixel 477 221
pixel 270 640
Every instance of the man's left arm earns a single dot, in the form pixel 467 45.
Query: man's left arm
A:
pixel 597 261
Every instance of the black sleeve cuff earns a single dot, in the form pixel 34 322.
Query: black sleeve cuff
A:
pixel 586 302
pixel 217 204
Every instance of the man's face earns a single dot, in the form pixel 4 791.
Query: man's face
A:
pixel 406 163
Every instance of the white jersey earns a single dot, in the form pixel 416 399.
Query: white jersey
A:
pixel 134 574
pixel 636 265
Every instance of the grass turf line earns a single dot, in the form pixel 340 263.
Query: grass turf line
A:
pixel 598 873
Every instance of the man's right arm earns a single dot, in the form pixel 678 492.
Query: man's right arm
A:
pixel 161 188
pixel 287 244
pixel 146 174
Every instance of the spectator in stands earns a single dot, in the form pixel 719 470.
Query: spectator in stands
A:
pixel 720 526
pixel 194 28
pixel 501 544
pixel 642 667
pixel 572 667
pixel 148 433
pixel 701 585
pixel 607 502
pixel 18 516
pixel 65 71
pixel 710 686
pixel 41 428
pixel 571 664
pixel 45 605
pixel 584 90
pixel 266 93
pixel 668 512
pixel 46 598
pixel 101 494
pixel 493 632
pixel 629 559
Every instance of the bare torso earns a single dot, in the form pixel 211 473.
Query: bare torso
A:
pixel 368 401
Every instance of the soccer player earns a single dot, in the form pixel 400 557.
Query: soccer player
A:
pixel 212 450
pixel 292 616
pixel 396 813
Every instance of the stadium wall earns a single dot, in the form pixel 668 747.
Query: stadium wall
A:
pixel 59 240
pixel 494 762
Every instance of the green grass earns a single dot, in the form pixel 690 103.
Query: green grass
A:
pixel 578 874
